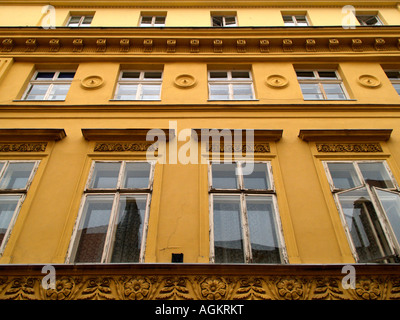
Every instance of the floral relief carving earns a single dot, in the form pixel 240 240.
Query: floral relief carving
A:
pixel 368 289
pixel 213 289
pixel 137 289
pixel 175 288
pixel 327 289
pixel 63 289
pixel 290 289
pixel 98 289
pixel 251 289
pixel 349 147
pixel 21 288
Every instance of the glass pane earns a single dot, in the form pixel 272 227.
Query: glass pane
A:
pixel 327 74
pixel 217 21
pixel 242 92
pixel 240 75
pixel 369 20
pixel 219 92
pixel 334 91
pixel 74 21
pixel 397 87
pixel 136 175
pixel 37 92
pixel 230 21
pixel 93 228
pixel 130 75
pixel 45 75
pixel 263 230
pixel 375 174
pixel 311 91
pixel 288 20
pixel 58 91
pixel 129 228
pixel 305 75
pixel 87 21
pixel 105 175
pixel 16 175
pixel 365 230
pixel 160 21
pixel 224 176
pixel 66 75
pixel 153 75
pixel 126 92
pixel 258 179
pixel 301 20
pixel 218 75
pixel 393 75
pixel 150 92
pixel 8 205
pixel 146 20
pixel 391 204
pixel 344 175
pixel 228 239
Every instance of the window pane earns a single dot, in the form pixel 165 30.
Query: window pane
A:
pixel 136 175
pixel 58 91
pixel 228 239
pixel 288 20
pixel 45 75
pixel 93 228
pixel 150 92
pixel 369 20
pixel 217 21
pixel 365 230
pixel 66 75
pixel 129 228
pixel 16 175
pixel 242 92
pixel 126 92
pixel 393 75
pixel 219 92
pixel 301 20
pixel 218 75
pixel 130 75
pixel 230 21
pixel 224 176
pixel 8 205
pixel 344 175
pixel 391 204
pixel 87 21
pixel 37 92
pixel 375 174
pixel 258 179
pixel 240 75
pixel 160 21
pixel 105 175
pixel 146 20
pixel 334 91
pixel 397 87
pixel 263 230
pixel 305 75
pixel 74 21
pixel 152 75
pixel 327 74
pixel 311 91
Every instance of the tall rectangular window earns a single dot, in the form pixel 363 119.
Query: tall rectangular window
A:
pixel 113 218
pixel 49 85
pixel 230 85
pixel 394 77
pixel 80 21
pixel 244 219
pixel 15 179
pixel 139 85
pixel 368 199
pixel 321 85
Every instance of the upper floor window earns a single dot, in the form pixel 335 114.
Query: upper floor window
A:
pixel 49 85
pixel 152 20
pixel 295 20
pixel 321 85
pixel 368 20
pixel 224 21
pixel 368 199
pixel 112 221
pixel 394 77
pixel 230 85
pixel 15 179
pixel 80 21
pixel 139 85
pixel 245 224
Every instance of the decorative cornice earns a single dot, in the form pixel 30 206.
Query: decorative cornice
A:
pixel 124 147
pixel 343 135
pixel 203 282
pixel 126 134
pixel 31 134
pixel 254 148
pixel 23 147
pixel 349 147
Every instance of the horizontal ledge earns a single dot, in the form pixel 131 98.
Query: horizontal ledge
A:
pixel 345 134
pixel 32 134
pixel 129 134
pixel 259 134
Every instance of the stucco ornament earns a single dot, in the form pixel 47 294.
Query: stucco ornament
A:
pixel 185 81
pixel 276 81
pixel 369 81
pixel 92 82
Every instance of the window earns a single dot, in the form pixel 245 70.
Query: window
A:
pixel 245 225
pixel 114 213
pixel 368 20
pixel 152 21
pixel 139 85
pixel 321 85
pixel 295 20
pixel 368 199
pixel 80 21
pixel 394 77
pixel 49 85
pixel 230 85
pixel 15 179
pixel 224 21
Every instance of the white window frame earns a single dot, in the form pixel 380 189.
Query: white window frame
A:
pixel 21 192
pixel 142 80
pixel 224 17
pixel 393 243
pixel 116 193
pixel 153 20
pixel 242 192
pixel 321 81
pixel 80 23
pixel 49 82
pixel 294 19
pixel 230 81
pixel 362 23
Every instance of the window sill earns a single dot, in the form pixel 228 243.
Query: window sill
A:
pixel 26 100
pixel 330 100
pixel 118 100
pixel 209 100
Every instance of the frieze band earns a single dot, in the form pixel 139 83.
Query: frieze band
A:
pixel 254 148
pixel 23 147
pixel 349 147
pixel 123 147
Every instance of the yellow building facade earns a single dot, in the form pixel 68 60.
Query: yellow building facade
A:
pixel 114 114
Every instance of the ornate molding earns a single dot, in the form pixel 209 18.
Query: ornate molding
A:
pixel 193 283
pixel 255 148
pixel 124 147
pixel 349 147
pixel 23 147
